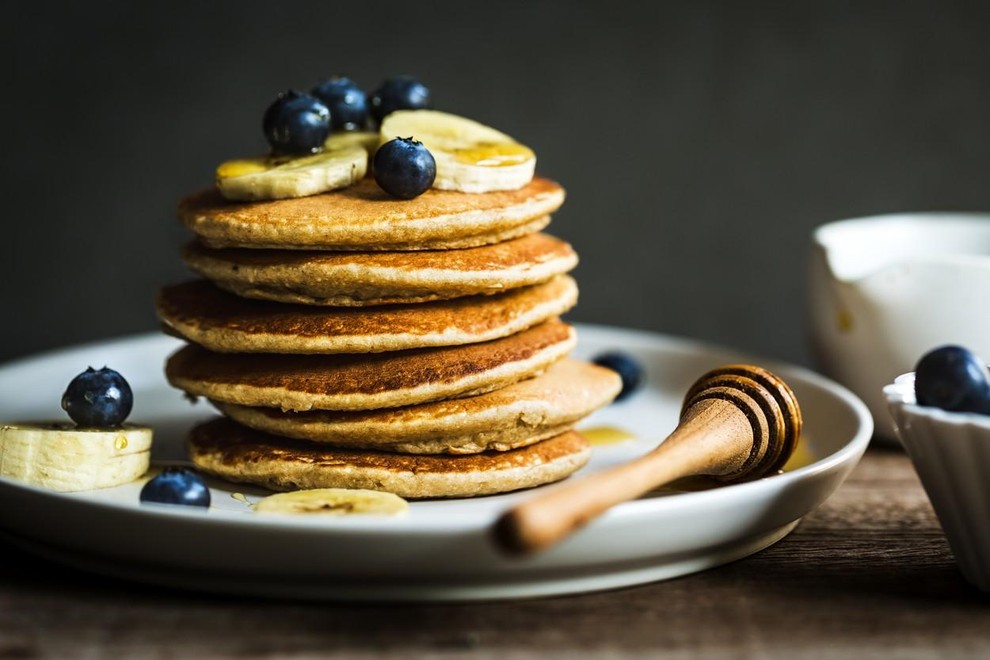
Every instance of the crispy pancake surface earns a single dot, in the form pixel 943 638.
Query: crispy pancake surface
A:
pixel 236 453
pixel 364 217
pixel 372 380
pixel 219 321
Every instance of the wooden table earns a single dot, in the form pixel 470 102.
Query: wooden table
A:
pixel 869 574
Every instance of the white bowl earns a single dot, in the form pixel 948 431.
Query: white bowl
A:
pixel 884 290
pixel 951 453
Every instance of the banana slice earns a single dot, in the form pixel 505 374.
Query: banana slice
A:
pixel 334 502
pixel 470 156
pixel 64 458
pixel 342 162
pixel 368 140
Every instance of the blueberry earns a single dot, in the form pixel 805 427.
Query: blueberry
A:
pixel 404 168
pixel 98 398
pixel 348 104
pixel 626 366
pixel 952 378
pixel 176 485
pixel 399 93
pixel 296 123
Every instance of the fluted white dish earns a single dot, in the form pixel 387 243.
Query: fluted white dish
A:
pixel 951 453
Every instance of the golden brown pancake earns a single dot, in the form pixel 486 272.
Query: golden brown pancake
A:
pixel 372 380
pixel 219 321
pixel 361 278
pixel 507 418
pixel 363 217
pixel 235 453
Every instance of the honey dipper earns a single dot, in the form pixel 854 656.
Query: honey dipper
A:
pixel 738 422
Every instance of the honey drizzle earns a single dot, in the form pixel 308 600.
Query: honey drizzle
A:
pixel 241 497
pixel 495 154
pixel 605 435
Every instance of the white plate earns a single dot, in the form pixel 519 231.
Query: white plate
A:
pixel 442 550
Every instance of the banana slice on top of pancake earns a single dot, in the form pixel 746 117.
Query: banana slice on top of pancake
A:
pixel 471 157
pixel 343 162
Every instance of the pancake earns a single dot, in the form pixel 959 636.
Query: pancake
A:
pixel 219 321
pixel 235 453
pixel 507 418
pixel 343 279
pixel 364 217
pixel 371 380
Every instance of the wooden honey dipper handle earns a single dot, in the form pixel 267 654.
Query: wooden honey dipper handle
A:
pixel 725 431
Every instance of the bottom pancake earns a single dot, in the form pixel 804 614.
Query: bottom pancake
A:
pixel 236 453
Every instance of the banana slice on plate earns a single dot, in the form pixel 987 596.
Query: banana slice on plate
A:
pixel 343 161
pixel 334 502
pixel 65 458
pixel 470 156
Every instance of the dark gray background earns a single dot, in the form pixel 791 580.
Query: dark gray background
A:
pixel 700 142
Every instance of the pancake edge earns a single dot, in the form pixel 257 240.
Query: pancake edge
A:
pixel 423 429
pixel 228 340
pixel 288 399
pixel 343 286
pixel 408 484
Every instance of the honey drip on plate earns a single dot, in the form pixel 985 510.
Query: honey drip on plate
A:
pixel 241 497
pixel 800 457
pixel 605 435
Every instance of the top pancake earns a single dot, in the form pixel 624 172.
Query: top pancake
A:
pixel 364 217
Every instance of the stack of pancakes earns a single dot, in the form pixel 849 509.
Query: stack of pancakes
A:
pixel 354 340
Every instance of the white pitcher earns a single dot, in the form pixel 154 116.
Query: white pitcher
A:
pixel 884 290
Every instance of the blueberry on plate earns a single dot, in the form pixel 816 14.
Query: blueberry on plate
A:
pixel 399 93
pixel 626 366
pixel 952 378
pixel 98 398
pixel 404 168
pixel 296 123
pixel 348 104
pixel 176 485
